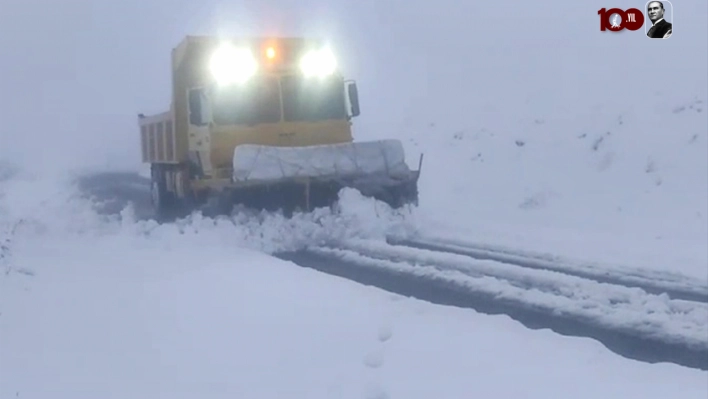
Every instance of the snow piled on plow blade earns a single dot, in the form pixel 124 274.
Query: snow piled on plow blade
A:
pixel 384 159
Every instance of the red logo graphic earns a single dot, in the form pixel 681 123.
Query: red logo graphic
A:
pixel 616 19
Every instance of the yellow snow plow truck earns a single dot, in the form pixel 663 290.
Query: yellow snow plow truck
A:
pixel 266 123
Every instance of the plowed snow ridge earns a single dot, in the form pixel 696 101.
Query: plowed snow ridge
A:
pixel 618 307
pixel 631 276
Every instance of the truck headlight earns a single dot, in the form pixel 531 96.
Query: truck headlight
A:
pixel 232 65
pixel 318 63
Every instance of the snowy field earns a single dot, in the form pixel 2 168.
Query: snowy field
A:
pixel 130 309
pixel 567 140
pixel 622 187
pixel 125 308
pixel 538 141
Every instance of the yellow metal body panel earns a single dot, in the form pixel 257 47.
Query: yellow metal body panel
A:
pixel 216 144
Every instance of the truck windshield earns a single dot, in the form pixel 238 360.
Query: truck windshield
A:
pixel 257 101
pixel 312 99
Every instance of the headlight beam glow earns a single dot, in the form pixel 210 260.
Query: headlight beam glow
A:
pixel 318 63
pixel 231 65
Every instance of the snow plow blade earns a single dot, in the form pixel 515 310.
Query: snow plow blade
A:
pixel 308 177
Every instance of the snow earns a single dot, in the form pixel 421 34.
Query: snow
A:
pixel 565 141
pixel 144 171
pixel 657 280
pixel 384 158
pixel 618 307
pixel 623 192
pixel 541 136
pixel 176 312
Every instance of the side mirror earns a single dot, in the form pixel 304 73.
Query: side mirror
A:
pixel 353 93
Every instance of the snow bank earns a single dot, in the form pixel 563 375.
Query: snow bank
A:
pixel 623 176
pixel 56 206
pixel 176 316
pixel 626 184
pixel 357 217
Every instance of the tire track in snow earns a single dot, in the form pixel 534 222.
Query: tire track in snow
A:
pixel 617 306
pixel 627 321
pixel 457 286
pixel 676 286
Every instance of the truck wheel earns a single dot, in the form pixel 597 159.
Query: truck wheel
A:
pixel 162 200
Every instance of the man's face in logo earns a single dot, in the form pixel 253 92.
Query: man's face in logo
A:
pixel 655 11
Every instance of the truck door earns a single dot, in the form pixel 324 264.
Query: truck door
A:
pixel 199 135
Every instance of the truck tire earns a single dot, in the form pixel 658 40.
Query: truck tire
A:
pixel 163 202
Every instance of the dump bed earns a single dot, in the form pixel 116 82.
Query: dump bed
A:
pixel 157 138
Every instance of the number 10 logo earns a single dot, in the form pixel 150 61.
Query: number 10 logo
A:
pixel 631 19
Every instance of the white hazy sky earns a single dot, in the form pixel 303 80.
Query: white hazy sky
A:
pixel 76 73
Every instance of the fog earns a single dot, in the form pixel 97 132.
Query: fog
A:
pixel 554 151
pixel 76 75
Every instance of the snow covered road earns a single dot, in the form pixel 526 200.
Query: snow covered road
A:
pixel 617 306
pixel 675 285
pixel 647 315
pixel 185 316
pixel 626 320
